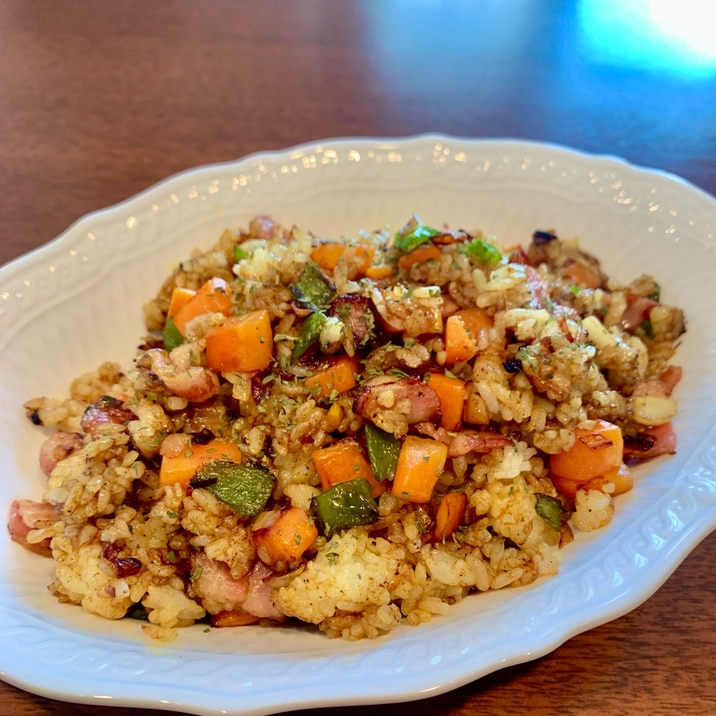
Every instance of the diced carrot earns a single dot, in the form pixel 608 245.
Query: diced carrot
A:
pixel 459 344
pixel 622 479
pixel 449 515
pixel 475 411
pixel 343 461
pixel 233 618
pixel 583 275
pixel 286 540
pixel 362 259
pixel 420 464
pixel 333 418
pixel 376 272
pixel 242 344
pixel 328 253
pixel 181 468
pixel 180 297
pixel 451 392
pixel 670 377
pixel 421 255
pixel 338 376
pixel 619 479
pixel 596 450
pixel 565 487
pixel 476 320
pixel 213 297
pixel 462 333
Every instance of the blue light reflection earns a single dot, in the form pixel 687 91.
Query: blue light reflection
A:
pixel 674 36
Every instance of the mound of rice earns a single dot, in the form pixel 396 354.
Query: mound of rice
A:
pixel 561 349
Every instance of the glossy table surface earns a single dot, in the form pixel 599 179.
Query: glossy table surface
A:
pixel 100 100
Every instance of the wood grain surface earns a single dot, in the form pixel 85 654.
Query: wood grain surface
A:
pixel 99 100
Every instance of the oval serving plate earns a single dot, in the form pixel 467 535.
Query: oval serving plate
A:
pixel 77 302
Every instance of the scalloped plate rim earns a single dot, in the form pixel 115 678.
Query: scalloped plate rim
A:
pixel 679 546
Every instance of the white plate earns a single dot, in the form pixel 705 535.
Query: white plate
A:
pixel 77 302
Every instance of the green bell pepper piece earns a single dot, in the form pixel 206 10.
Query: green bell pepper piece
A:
pixel 345 505
pixel 243 488
pixel 383 450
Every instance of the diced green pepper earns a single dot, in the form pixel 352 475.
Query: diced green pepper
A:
pixel 240 254
pixel 314 289
pixel 383 451
pixel 310 332
pixel 345 505
pixel 413 236
pixel 172 336
pixel 483 251
pixel 550 510
pixel 243 488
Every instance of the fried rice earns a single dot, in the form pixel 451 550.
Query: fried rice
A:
pixel 351 433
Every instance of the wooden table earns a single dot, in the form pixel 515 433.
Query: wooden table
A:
pixel 99 100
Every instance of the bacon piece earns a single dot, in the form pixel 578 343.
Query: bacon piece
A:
pixel 106 409
pixel 671 377
pixel 258 601
pixel 433 431
pixel 214 585
pixel 637 311
pixel 468 441
pixel 26 515
pixel 356 312
pixel 264 227
pixel 410 396
pixel 57 447
pixel 656 441
pixel 220 592
pixel 176 371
